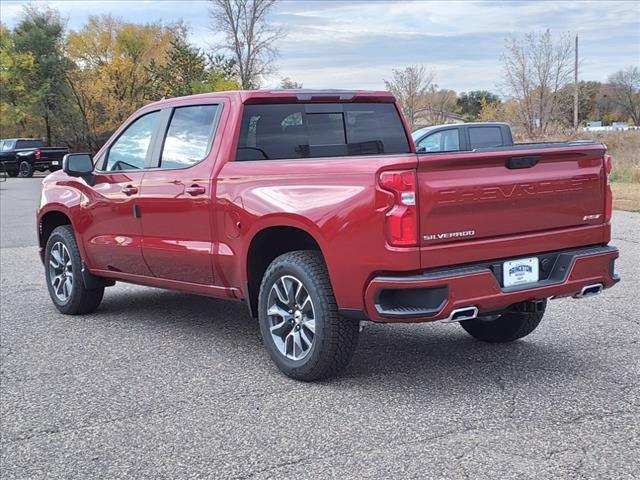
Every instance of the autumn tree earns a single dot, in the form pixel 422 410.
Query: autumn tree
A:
pixel 287 84
pixel 111 77
pixel 535 68
pixel 490 111
pixel 439 105
pixel 188 71
pixel 411 86
pixel 588 93
pixel 16 98
pixel 40 34
pixel 249 37
pixel 470 103
pixel 625 92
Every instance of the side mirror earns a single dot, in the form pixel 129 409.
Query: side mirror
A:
pixel 77 164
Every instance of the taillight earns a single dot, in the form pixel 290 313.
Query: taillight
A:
pixel 608 194
pixel 402 218
pixel 37 154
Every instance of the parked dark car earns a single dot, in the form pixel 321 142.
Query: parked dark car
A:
pixel 23 156
pixel 462 137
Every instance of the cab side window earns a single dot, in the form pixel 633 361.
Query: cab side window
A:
pixel 485 137
pixel 129 151
pixel 442 141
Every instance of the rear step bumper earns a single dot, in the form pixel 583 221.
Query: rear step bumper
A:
pixel 462 293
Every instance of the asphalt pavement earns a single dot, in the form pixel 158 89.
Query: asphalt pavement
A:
pixel 158 384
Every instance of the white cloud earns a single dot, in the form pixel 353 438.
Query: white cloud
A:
pixel 357 43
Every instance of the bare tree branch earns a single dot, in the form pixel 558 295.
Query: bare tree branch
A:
pixel 248 36
pixel 411 87
pixel 535 69
pixel 625 92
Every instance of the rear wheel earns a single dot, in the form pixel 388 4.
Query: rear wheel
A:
pixel 517 322
pixel 26 170
pixel 299 321
pixel 63 269
pixel 12 173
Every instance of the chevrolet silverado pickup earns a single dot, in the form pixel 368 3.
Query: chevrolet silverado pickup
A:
pixel 314 208
pixel 23 156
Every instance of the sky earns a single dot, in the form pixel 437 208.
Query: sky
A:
pixel 356 44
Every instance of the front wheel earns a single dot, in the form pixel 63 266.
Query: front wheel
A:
pixel 63 270
pixel 26 170
pixel 518 321
pixel 299 321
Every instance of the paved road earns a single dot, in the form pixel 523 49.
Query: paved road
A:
pixel 160 384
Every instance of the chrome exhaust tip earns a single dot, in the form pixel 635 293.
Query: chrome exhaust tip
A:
pixel 461 314
pixel 590 290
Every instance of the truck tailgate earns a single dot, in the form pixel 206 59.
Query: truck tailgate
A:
pixel 51 153
pixel 476 196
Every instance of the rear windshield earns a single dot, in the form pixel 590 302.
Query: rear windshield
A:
pixel 29 144
pixel 271 132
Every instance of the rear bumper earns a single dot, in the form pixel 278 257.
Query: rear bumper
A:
pixel 39 164
pixel 435 294
pixel 46 164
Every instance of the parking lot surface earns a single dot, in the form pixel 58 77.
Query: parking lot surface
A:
pixel 158 384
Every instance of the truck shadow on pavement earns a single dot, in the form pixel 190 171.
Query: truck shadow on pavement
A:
pixel 440 357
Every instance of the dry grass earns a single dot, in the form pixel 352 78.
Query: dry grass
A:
pixel 624 148
pixel 626 196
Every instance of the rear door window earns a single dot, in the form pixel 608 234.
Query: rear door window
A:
pixel 483 137
pixel 289 131
pixel 189 136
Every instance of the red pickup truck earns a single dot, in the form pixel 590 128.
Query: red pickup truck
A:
pixel 315 210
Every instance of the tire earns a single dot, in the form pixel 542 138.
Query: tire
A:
pixel 76 299
pixel 322 351
pixel 517 322
pixel 12 173
pixel 26 170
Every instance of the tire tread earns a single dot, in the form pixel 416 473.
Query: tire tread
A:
pixel 341 338
pixel 84 300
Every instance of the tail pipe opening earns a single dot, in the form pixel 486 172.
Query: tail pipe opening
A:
pixel 461 314
pixel 589 290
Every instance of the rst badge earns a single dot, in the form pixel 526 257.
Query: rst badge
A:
pixel 444 236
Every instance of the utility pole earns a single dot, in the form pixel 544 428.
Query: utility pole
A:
pixel 575 89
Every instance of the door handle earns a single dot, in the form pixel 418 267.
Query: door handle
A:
pixel 194 190
pixel 523 162
pixel 129 190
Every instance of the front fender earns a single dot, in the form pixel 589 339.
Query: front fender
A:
pixel 65 195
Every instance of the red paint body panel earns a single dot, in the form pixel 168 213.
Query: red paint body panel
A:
pixel 199 243
pixel 476 191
